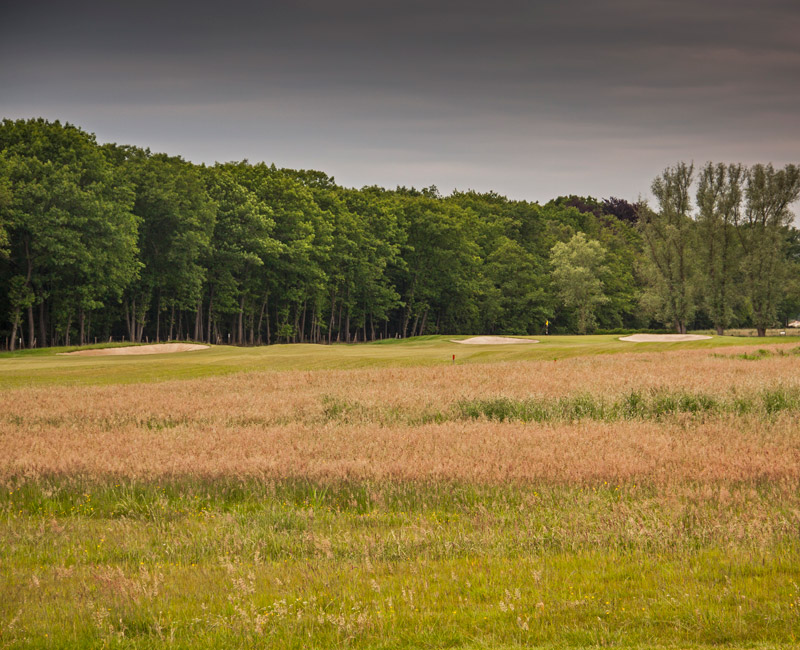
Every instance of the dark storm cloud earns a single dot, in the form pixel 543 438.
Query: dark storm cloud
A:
pixel 532 99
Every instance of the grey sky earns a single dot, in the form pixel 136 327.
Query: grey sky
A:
pixel 530 99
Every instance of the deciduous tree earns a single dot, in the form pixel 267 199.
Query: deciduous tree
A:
pixel 577 269
pixel 668 235
pixel 719 199
pixel 71 229
pixel 763 232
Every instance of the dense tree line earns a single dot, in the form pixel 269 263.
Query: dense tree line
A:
pixel 109 241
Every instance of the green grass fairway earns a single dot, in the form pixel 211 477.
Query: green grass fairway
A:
pixel 35 367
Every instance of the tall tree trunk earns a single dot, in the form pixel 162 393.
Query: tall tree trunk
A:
pixel 720 330
pixel 424 321
pixel 347 319
pixel 240 324
pixel 142 322
pixel 407 310
pixel 172 322
pixel 69 326
pixel 28 277
pixel 158 318
pixel 42 326
pixel 333 311
pixel 136 324
pixel 312 336
pixel 128 319
pixel 414 327
pixel 261 318
pixel 762 331
pixel 14 326
pixel 198 320
pixel 210 313
pixel 372 326
pixel 303 322
pixel 339 323
pixel 269 332
pixel 31 328
pixel 82 326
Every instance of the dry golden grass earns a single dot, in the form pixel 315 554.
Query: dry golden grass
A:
pixel 720 449
pixel 277 397
pixel 280 425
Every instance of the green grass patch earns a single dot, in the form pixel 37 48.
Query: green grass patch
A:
pixel 640 405
pixel 762 354
pixel 291 564
pixel 635 405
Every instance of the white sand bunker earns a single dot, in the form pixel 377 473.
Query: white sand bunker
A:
pixel 663 338
pixel 494 340
pixel 159 348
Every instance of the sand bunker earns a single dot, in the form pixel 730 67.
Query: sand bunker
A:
pixel 160 348
pixel 663 338
pixel 494 340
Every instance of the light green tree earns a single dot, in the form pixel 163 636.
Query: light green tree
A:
pixel 517 276
pixel 577 269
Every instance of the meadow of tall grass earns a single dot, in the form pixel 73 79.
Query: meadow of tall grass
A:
pixel 633 500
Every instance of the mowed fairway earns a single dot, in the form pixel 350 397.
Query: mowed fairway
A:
pixel 577 492
pixel 30 367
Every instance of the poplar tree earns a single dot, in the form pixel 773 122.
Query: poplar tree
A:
pixel 763 232
pixel 668 236
pixel 719 200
